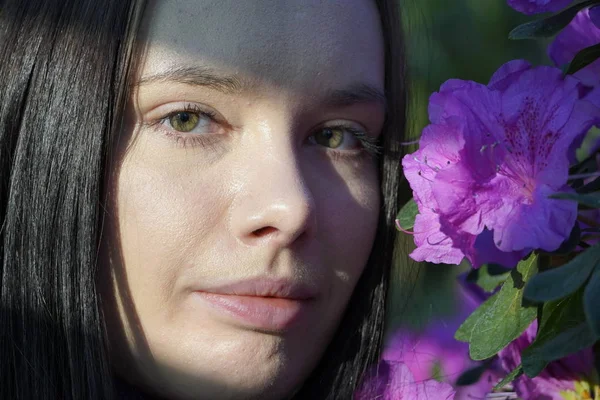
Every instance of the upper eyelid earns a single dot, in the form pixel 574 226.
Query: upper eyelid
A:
pixel 345 124
pixel 199 111
pixel 169 109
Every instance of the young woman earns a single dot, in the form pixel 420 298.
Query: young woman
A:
pixel 197 196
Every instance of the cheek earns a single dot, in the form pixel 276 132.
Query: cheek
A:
pixel 351 206
pixel 348 213
pixel 164 216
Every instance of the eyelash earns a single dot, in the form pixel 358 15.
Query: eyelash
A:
pixel 369 144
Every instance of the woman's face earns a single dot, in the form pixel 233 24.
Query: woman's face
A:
pixel 246 202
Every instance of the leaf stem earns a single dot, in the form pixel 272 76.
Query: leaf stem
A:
pixel 402 229
pixel 584 176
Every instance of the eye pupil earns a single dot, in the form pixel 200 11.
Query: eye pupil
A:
pixel 330 137
pixel 184 121
pixel 327 134
pixel 184 117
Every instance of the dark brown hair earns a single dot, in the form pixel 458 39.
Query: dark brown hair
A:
pixel 64 80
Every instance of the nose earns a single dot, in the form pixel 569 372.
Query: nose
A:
pixel 274 205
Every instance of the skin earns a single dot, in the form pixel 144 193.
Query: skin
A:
pixel 253 193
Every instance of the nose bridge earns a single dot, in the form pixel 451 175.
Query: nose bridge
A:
pixel 274 202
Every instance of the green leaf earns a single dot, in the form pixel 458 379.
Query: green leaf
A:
pixel 550 26
pixel 584 58
pixel 588 199
pixel 407 214
pixel 436 371
pixel 488 277
pixel 563 330
pixel 502 317
pixel 514 374
pixel 564 280
pixel 463 333
pixel 591 302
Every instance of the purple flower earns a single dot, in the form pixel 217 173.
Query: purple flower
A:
pixel 582 32
pixel 440 146
pixel 488 162
pixel 431 354
pixel 538 6
pixel 434 353
pixel 567 378
pixel 394 381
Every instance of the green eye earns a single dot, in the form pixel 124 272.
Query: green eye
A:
pixel 330 137
pixel 184 121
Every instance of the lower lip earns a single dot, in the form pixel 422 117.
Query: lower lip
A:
pixel 266 313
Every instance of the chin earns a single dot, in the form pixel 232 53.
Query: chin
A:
pixel 226 364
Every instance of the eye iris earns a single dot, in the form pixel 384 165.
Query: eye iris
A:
pixel 184 121
pixel 330 137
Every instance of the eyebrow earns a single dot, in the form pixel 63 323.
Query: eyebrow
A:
pixel 358 93
pixel 197 76
pixel 355 94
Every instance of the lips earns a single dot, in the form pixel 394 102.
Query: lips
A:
pixel 264 304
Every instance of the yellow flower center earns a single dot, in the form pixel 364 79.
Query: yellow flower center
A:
pixel 584 390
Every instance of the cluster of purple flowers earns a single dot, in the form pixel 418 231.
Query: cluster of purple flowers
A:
pixel 483 180
pixel 428 364
pixel 431 361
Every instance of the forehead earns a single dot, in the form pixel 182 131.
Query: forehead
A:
pixel 299 44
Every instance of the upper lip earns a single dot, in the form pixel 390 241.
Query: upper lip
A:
pixel 265 287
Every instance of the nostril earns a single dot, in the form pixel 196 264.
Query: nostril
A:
pixel 266 231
